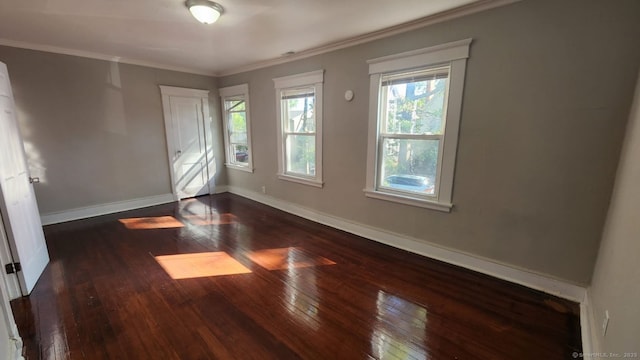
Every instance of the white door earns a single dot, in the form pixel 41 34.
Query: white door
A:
pixel 17 199
pixel 189 141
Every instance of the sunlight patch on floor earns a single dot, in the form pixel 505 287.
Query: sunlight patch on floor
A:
pixel 155 222
pixel 286 258
pixel 187 266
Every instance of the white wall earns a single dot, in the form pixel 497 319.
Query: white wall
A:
pixel 616 278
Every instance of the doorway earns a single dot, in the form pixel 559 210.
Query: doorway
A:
pixel 189 141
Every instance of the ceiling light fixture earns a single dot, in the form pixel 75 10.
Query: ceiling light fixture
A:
pixel 205 11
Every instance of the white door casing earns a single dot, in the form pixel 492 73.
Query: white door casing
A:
pixel 11 280
pixel 188 131
pixel 17 199
pixel 10 340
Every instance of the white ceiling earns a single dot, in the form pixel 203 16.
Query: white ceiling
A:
pixel 163 33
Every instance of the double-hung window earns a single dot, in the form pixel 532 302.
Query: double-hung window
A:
pixel 237 135
pixel 415 106
pixel 299 111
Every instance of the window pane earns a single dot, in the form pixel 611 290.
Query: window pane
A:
pixel 238 121
pixel 415 104
pixel 301 154
pixel 237 130
pixel 298 110
pixel 238 137
pixel 240 154
pixel 409 165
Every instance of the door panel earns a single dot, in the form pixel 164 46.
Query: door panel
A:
pixel 190 159
pixel 10 155
pixel 5 88
pixel 17 198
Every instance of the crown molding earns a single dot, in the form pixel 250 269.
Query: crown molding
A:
pixel 100 56
pixel 455 13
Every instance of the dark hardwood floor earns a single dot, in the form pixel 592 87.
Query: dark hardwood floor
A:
pixel 223 277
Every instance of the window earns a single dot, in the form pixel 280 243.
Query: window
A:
pixel 237 135
pixel 414 117
pixel 299 111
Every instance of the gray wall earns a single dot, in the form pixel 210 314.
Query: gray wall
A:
pixel 548 90
pixel 615 279
pixel 94 130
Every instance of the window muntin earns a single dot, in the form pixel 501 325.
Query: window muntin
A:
pixel 411 129
pixel 237 136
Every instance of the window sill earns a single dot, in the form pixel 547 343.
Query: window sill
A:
pixel 241 168
pixel 300 180
pixel 407 200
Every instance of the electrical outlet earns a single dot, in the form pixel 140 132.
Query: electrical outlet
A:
pixel 264 189
pixel 605 322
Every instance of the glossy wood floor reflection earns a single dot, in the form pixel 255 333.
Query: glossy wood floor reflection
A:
pixel 222 277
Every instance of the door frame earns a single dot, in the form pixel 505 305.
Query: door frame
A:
pixel 203 95
pixel 9 289
pixel 11 282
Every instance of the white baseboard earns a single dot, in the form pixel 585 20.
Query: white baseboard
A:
pixel 486 266
pixel 219 189
pixel 103 209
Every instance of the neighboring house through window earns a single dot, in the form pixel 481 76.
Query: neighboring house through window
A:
pixel 299 118
pixel 237 135
pixel 414 116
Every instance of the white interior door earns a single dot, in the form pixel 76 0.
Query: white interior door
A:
pixel 189 141
pixel 17 199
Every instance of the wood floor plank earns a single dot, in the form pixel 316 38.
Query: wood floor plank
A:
pixel 311 292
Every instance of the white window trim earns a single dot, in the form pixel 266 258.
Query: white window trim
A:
pixel 455 55
pixel 230 91
pixel 313 79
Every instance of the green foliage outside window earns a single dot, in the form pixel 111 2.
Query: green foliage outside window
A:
pixel 414 108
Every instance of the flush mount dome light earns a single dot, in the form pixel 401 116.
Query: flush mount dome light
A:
pixel 207 12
